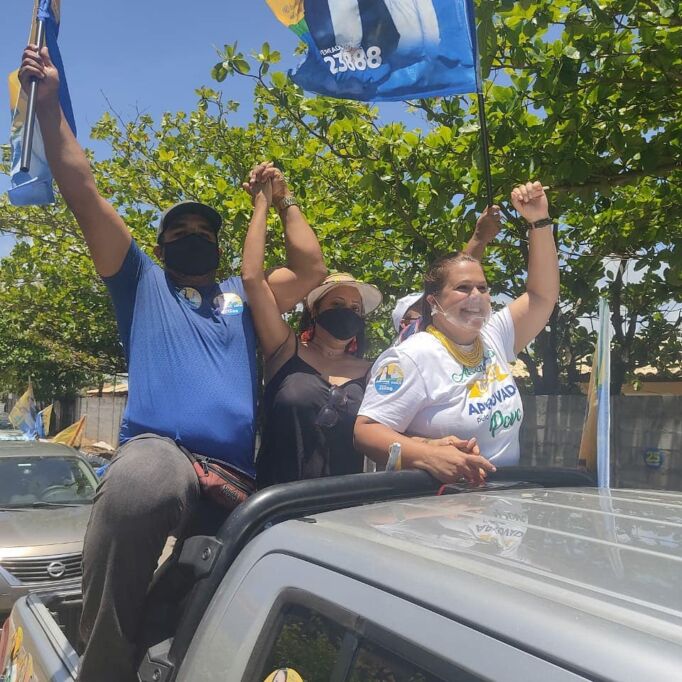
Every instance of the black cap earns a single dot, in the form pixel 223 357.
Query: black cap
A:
pixel 183 207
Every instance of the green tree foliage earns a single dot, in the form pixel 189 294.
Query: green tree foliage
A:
pixel 55 321
pixel 585 96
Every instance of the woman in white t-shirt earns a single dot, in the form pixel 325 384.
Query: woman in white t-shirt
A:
pixel 447 394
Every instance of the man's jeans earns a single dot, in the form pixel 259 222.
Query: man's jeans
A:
pixel 149 493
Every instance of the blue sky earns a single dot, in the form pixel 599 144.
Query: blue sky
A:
pixel 147 56
pixel 144 55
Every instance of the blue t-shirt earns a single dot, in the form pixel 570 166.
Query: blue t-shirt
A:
pixel 191 356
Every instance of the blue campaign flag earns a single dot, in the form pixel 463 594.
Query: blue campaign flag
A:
pixel 43 422
pixel 35 187
pixel 604 397
pixel 383 50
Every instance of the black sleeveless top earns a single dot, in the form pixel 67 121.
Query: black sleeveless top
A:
pixel 294 446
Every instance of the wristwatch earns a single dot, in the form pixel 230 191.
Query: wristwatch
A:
pixel 543 222
pixel 288 200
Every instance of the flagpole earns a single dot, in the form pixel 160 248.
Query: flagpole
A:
pixel 29 127
pixel 604 397
pixel 483 124
pixel 484 145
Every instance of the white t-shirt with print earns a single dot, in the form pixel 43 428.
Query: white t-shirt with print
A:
pixel 419 389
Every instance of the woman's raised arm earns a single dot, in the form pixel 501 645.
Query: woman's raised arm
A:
pixel 273 332
pixel 531 311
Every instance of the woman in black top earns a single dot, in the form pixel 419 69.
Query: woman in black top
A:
pixel 315 382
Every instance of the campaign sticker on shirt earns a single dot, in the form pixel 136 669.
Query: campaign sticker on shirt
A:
pixel 192 296
pixel 228 303
pixel 389 378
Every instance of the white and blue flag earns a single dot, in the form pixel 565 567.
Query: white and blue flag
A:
pixel 35 187
pixel 383 50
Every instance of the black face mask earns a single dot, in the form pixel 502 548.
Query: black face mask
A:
pixel 191 255
pixel 342 323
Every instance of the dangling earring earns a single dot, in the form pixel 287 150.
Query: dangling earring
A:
pixel 308 334
pixel 352 347
pixel 432 302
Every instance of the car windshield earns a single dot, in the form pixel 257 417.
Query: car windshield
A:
pixel 11 434
pixel 7 430
pixel 34 481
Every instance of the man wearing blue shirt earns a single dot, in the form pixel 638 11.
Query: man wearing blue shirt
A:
pixel 191 350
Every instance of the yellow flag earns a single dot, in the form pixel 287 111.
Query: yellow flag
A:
pixel 72 435
pixel 587 455
pixel 23 414
pixel 289 12
pixel 284 675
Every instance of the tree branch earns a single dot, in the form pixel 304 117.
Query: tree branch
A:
pixel 624 178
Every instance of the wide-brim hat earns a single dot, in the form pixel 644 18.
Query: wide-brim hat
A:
pixel 371 296
pixel 403 305
pixel 183 207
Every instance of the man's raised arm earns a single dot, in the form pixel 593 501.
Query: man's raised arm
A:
pixel 105 232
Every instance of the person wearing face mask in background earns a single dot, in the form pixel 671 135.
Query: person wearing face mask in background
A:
pixel 407 316
pixel 190 347
pixel 314 380
pixel 447 393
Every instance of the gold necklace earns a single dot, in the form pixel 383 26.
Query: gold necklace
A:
pixel 470 358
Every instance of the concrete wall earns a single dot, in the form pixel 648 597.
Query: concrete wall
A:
pixel 551 429
pixel 641 424
pixel 64 413
pixel 104 416
pixel 550 436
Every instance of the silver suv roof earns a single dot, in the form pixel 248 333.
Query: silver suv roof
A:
pixel 588 579
pixel 620 546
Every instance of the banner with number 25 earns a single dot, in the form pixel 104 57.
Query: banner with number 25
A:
pixel 383 50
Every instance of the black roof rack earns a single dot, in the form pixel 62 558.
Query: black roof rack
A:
pixel 525 476
pixel 209 558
